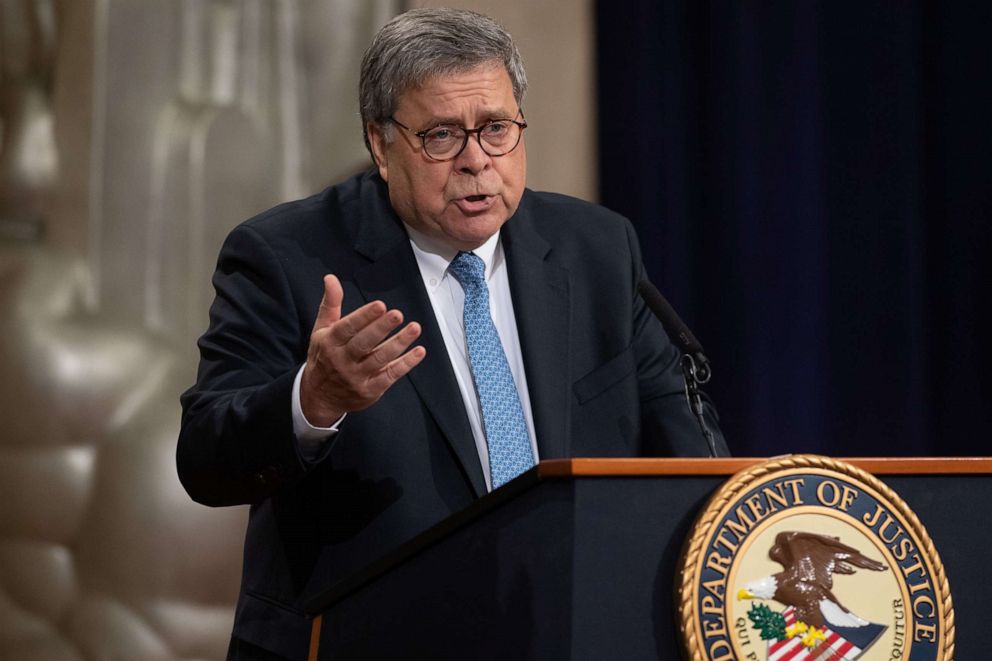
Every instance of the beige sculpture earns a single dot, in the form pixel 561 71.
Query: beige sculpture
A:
pixel 192 115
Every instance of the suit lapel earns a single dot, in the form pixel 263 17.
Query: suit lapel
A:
pixel 541 303
pixel 393 277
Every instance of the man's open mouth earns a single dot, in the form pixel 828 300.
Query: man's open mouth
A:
pixel 475 203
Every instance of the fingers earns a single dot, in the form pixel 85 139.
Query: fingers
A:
pixel 352 360
pixel 392 348
pixel 362 330
pixel 398 368
pixel 330 305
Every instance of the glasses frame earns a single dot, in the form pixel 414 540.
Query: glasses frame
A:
pixel 477 131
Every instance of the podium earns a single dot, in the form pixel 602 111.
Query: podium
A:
pixel 576 559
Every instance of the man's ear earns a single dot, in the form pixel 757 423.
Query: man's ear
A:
pixel 378 143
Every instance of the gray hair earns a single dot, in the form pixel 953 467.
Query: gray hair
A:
pixel 422 44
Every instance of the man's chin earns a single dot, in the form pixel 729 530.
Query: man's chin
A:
pixel 470 231
pixel 473 234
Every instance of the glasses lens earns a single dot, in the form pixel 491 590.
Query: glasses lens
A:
pixel 444 141
pixel 501 136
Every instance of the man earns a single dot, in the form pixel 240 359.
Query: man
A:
pixel 383 353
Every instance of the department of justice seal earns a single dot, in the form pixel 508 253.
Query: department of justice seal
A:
pixel 809 558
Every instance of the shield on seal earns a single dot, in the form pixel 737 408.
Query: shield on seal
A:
pixel 838 644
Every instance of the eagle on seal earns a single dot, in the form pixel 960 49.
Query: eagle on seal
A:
pixel 810 561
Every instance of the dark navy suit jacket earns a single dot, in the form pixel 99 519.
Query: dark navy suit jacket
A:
pixel 604 381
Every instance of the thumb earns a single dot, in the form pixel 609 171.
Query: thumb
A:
pixel 330 305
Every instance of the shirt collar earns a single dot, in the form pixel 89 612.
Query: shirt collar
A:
pixel 433 256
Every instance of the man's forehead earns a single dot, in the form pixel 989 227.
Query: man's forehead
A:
pixel 493 70
pixel 485 90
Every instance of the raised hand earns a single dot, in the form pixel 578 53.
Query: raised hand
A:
pixel 353 360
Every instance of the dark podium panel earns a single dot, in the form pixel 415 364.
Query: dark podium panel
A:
pixel 576 560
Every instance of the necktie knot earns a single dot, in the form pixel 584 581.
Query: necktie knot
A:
pixel 469 269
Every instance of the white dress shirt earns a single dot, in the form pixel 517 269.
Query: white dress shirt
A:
pixel 448 300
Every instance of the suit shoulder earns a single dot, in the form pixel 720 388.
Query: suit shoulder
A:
pixel 563 219
pixel 572 211
pixel 335 205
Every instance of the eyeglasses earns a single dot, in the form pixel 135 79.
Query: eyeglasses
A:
pixel 497 137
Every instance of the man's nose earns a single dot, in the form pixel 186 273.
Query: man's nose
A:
pixel 473 159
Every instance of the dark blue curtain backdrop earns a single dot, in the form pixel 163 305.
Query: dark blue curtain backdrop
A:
pixel 812 187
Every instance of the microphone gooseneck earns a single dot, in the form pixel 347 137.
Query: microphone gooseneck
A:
pixel 695 366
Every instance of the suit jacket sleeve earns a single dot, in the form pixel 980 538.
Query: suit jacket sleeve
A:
pixel 236 442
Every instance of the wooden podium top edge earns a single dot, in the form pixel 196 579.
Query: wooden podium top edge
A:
pixel 731 465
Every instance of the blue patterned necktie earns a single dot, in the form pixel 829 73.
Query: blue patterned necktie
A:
pixel 502 416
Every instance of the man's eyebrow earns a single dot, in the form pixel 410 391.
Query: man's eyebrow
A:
pixel 496 113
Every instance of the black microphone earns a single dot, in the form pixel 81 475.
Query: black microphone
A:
pixel 695 366
pixel 675 327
